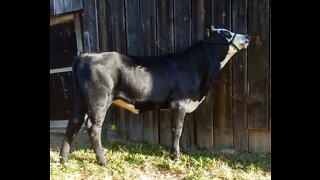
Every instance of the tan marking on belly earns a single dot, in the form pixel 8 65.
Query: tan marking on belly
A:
pixel 127 106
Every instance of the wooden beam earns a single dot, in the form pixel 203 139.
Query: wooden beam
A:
pixel 60 70
pixel 60 19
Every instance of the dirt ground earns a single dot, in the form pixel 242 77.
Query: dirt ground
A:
pixel 57 135
pixel 80 140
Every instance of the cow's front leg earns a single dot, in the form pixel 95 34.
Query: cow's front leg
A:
pixel 177 119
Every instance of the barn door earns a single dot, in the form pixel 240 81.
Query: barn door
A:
pixel 65 44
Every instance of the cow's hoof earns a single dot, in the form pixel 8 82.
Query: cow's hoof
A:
pixel 176 156
pixel 104 163
pixel 63 160
pixel 176 159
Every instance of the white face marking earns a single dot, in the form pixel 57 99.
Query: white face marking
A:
pixel 241 41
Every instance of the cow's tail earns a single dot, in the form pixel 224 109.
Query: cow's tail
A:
pixel 77 118
pixel 78 99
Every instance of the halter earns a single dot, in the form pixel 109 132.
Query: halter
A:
pixel 229 43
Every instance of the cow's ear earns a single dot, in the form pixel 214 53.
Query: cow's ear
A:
pixel 209 31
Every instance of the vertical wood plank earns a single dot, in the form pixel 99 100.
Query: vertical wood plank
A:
pixel 86 41
pixel 108 25
pixel 221 13
pixel 58 7
pixel 78 30
pixel 165 43
pixel 103 23
pixel 124 124
pixel 136 127
pixel 165 136
pixel 259 141
pixel 204 114
pixel 77 5
pixel 51 8
pixel 204 123
pixel 91 25
pixel 201 17
pixel 72 5
pixel 182 24
pixel 258 65
pixel 68 5
pixel 182 38
pixel 165 27
pixel 150 127
pixel 240 91
pixel 188 135
pixel 133 27
pixel 148 27
pixel 222 122
pixel 118 26
pixel 148 48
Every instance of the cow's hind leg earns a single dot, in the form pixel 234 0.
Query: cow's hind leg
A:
pixel 74 124
pixel 177 119
pixel 94 127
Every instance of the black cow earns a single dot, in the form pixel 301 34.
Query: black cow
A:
pixel 178 82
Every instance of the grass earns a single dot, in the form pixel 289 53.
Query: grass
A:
pixel 143 161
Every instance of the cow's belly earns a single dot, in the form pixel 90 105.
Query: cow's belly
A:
pixel 188 105
pixel 140 106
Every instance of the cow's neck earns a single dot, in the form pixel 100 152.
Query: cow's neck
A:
pixel 214 53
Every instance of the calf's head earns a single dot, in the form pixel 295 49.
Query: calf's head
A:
pixel 236 41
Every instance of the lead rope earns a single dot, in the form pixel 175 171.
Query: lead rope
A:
pixel 163 49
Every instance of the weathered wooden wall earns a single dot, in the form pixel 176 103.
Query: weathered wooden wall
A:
pixel 58 7
pixel 236 113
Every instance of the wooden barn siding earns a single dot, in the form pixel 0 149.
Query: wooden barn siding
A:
pixel 239 79
pixel 258 76
pixel 58 7
pixel 236 113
